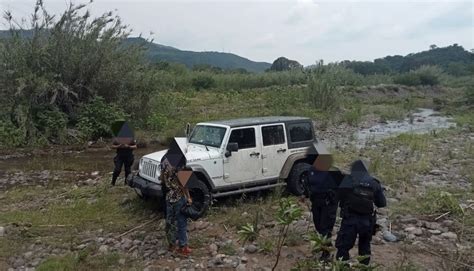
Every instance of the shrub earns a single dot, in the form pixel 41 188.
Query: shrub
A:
pixel 203 82
pixel 96 118
pixel 52 124
pixel 469 95
pixel 10 135
pixel 425 75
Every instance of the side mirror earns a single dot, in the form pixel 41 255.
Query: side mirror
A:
pixel 187 131
pixel 231 147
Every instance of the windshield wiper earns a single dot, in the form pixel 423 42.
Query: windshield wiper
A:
pixel 207 149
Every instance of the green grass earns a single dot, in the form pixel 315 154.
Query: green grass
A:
pixel 66 221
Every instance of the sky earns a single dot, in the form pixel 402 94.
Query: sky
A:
pixel 303 30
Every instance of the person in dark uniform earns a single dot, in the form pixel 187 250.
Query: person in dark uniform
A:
pixel 323 183
pixel 123 158
pixel 358 193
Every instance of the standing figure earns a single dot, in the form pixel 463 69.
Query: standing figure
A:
pixel 358 193
pixel 123 158
pixel 177 196
pixel 323 183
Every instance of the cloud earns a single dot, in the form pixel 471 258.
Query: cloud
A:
pixel 300 30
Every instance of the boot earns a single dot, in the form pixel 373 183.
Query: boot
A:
pixel 184 251
pixel 114 179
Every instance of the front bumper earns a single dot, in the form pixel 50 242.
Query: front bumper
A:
pixel 146 187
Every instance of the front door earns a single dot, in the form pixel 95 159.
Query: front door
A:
pixel 274 149
pixel 244 165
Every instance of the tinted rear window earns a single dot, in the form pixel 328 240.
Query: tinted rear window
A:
pixel 300 132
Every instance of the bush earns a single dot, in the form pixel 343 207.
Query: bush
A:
pixel 425 75
pixel 469 95
pixel 95 118
pixel 52 124
pixel 11 136
pixel 203 82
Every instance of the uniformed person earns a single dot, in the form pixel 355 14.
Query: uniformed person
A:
pixel 323 182
pixel 358 193
pixel 124 157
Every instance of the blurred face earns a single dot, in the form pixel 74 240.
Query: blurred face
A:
pixel 323 162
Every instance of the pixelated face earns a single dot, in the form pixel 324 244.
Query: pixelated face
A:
pixel 323 162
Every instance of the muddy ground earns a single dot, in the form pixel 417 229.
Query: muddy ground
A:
pixel 58 211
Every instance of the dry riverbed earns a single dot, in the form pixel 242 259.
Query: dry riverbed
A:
pixel 58 212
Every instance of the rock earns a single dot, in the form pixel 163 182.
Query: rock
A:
pixel 126 244
pixel 449 235
pixel 28 254
pixel 213 248
pixel 432 225
pixel 18 263
pixel 2 231
pixel 437 172
pixel 122 261
pixel 244 259
pixel 81 246
pixel 241 267
pixel 411 236
pixel 388 236
pixel 95 173
pixel 435 232
pixel 414 230
pixel 103 249
pixel 448 223
pixel 251 248
pixel 408 220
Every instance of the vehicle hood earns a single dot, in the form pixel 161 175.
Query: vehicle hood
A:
pixel 192 152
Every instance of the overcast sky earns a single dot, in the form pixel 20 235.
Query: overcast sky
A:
pixel 301 30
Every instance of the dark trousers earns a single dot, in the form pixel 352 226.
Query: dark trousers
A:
pixel 176 223
pixel 122 160
pixel 351 227
pixel 324 218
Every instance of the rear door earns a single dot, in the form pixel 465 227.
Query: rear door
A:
pixel 245 165
pixel 274 149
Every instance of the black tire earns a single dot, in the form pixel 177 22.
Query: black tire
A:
pixel 200 195
pixel 298 179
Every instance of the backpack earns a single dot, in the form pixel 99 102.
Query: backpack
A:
pixel 361 198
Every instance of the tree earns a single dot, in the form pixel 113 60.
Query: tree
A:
pixel 285 64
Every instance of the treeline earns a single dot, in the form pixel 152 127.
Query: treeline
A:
pixel 65 79
pixel 453 60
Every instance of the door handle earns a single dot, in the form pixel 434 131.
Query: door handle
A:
pixel 255 154
pixel 281 150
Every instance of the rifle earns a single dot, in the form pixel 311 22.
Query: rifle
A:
pixel 375 226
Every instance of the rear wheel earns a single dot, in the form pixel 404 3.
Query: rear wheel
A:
pixel 298 180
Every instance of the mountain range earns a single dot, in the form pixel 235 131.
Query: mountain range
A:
pixel 157 52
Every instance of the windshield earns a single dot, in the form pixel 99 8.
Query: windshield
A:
pixel 207 135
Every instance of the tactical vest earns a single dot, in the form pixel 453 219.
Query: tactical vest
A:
pixel 361 199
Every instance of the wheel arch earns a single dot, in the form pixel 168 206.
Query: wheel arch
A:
pixel 202 175
pixel 294 159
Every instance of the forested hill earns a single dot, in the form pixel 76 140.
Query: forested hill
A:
pixel 157 52
pixel 453 59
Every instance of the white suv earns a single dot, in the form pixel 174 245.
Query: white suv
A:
pixel 238 156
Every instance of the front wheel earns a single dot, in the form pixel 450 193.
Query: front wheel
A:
pixel 201 197
pixel 298 180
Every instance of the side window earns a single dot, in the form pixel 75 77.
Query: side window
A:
pixel 300 132
pixel 244 137
pixel 273 135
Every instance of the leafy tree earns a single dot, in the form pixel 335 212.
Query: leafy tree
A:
pixel 285 64
pixel 62 63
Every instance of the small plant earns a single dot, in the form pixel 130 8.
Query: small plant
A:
pixel 288 212
pixel 319 243
pixel 249 231
pixel 267 246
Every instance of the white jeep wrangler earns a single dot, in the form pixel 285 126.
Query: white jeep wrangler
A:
pixel 238 156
